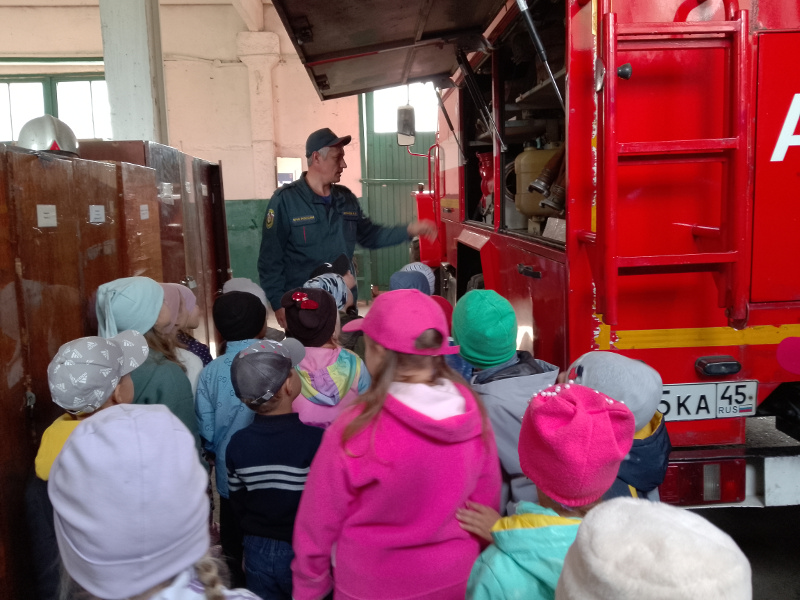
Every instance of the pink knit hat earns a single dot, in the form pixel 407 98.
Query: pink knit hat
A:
pixel 396 319
pixel 572 442
pixel 172 298
pixel 189 299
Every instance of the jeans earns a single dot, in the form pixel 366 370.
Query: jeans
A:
pixel 267 566
pixel 230 538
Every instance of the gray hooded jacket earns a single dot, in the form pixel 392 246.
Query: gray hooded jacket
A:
pixel 506 395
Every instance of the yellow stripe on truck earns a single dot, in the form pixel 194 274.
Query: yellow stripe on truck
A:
pixel 694 337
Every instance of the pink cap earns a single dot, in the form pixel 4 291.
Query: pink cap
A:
pixel 396 319
pixel 189 299
pixel 572 441
pixel 172 298
pixel 788 354
pixel 445 305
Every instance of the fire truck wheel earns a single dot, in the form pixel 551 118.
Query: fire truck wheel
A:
pixel 476 283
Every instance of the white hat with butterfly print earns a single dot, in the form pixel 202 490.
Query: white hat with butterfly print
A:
pixel 85 372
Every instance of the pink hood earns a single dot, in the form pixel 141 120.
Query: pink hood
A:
pixel 387 505
pixel 332 379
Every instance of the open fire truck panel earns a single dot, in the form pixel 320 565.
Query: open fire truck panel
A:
pixel 676 238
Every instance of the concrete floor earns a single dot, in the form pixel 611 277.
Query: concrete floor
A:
pixel 770 538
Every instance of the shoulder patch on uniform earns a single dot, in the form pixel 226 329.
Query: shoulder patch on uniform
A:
pixel 270 218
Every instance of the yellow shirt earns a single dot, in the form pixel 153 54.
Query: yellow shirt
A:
pixel 53 440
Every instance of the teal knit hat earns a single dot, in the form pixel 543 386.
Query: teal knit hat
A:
pixel 128 303
pixel 485 326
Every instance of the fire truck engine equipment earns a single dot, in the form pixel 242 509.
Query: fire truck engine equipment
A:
pixel 528 165
pixel 48 134
pixel 486 171
pixel 558 192
pixel 537 43
pixel 632 382
pixel 550 171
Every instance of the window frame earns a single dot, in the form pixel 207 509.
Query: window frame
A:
pixel 50 85
pixel 84 68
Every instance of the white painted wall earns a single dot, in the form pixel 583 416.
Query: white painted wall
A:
pixel 208 97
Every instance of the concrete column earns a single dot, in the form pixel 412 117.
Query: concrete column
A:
pixel 134 69
pixel 260 51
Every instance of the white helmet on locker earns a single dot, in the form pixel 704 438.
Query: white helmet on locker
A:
pixel 48 134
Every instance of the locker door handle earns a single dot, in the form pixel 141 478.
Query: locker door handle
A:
pixel 447 209
pixel 527 271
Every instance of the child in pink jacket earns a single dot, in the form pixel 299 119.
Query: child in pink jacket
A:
pixel 377 517
pixel 332 377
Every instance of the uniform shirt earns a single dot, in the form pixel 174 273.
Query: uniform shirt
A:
pixel 301 232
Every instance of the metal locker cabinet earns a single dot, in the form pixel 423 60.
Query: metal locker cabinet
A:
pixel 94 193
pixel 169 178
pixel 185 249
pixel 47 247
pixel 16 451
pixel 213 227
pixel 195 256
pixel 140 220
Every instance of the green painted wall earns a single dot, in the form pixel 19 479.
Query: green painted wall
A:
pixel 245 220
pixel 389 175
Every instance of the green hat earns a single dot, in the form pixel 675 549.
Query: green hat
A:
pixel 485 326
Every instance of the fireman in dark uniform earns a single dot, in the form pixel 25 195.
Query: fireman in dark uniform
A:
pixel 312 220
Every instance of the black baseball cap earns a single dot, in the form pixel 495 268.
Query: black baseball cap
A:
pixel 340 266
pixel 259 371
pixel 323 138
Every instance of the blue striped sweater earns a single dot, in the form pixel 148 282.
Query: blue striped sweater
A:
pixel 268 463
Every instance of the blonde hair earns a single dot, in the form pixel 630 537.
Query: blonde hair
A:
pixel 165 344
pixel 211 572
pixel 394 364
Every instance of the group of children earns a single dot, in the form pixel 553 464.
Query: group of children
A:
pixel 391 477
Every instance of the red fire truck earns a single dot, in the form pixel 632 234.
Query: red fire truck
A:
pixel 626 173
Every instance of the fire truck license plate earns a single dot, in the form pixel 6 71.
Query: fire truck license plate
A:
pixel 694 401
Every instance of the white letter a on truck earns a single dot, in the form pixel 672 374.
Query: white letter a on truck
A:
pixel 787 137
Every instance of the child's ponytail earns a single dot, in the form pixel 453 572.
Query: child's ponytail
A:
pixel 208 572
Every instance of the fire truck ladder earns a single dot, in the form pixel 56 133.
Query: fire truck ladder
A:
pixel 731 262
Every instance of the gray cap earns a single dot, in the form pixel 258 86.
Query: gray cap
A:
pixel 84 372
pixel 259 371
pixel 632 382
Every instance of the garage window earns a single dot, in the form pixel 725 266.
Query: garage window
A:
pixel 80 101
pixel 421 96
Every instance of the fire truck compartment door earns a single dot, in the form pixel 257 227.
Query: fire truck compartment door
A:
pixel 351 46
pixel 776 210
